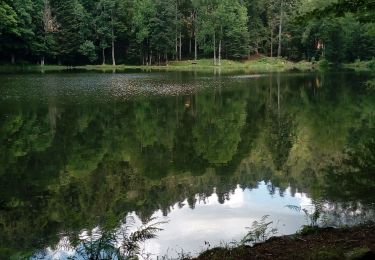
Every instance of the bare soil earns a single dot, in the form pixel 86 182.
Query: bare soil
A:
pixel 328 243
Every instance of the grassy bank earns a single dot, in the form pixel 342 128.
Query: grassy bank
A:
pixel 329 243
pixel 359 65
pixel 261 64
pixel 256 65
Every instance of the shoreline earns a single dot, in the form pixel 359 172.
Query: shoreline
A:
pixel 260 65
pixel 203 65
pixel 318 243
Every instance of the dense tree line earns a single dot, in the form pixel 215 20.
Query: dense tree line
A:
pixel 156 31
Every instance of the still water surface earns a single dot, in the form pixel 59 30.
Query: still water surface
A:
pixel 207 153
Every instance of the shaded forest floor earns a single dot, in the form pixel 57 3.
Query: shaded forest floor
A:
pixel 329 243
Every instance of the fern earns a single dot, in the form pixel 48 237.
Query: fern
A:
pixel 259 231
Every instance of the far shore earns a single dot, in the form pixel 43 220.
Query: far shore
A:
pixel 261 64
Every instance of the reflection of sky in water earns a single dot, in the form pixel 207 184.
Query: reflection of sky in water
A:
pixel 188 229
pixel 210 221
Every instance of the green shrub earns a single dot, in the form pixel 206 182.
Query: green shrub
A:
pixel 371 64
pixel 323 63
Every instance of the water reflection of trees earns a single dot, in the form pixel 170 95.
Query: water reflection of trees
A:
pixel 72 167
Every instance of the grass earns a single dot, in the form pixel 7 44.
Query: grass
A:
pixel 31 68
pixel 260 64
pixel 370 84
pixel 256 64
pixel 359 65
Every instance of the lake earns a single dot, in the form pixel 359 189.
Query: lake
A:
pixel 87 155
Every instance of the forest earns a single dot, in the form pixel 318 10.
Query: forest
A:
pixel 145 32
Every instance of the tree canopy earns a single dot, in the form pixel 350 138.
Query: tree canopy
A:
pixel 156 31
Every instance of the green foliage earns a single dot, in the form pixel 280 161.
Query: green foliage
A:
pixel 162 27
pixel 104 244
pixel 358 253
pixel 370 84
pixel 323 63
pixel 154 31
pixel 362 9
pixel 312 217
pixel 73 28
pixel 8 18
pixel 259 231
pixel 88 49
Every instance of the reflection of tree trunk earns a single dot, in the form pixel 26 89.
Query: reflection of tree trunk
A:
pixel 177 109
pixel 278 96
pixel 270 97
pixel 52 115
pixel 196 104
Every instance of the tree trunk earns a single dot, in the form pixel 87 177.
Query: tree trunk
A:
pixel 176 37
pixel 13 58
pixel 103 55
pixel 42 61
pixel 180 54
pixel 113 44
pixel 271 42
pixel 113 53
pixel 195 48
pixel 214 48
pixel 195 37
pixel 147 52
pixel 221 33
pixel 220 52
pixel 280 30
pixel 189 46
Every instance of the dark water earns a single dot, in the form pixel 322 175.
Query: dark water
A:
pixel 83 154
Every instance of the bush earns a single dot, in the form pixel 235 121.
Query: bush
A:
pixel 87 49
pixel 323 63
pixel 371 64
